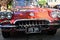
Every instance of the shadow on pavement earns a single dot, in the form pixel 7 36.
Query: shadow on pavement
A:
pixel 23 36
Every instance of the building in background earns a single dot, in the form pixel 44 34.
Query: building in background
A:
pixel 53 2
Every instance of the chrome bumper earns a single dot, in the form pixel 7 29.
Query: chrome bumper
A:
pixel 8 26
pixel 13 26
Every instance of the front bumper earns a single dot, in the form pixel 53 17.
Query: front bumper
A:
pixel 29 29
pixel 13 26
pixel 30 23
pixel 31 26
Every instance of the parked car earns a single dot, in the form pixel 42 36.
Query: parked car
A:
pixel 26 16
pixel 57 6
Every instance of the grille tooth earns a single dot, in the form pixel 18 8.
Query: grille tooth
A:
pixel 29 23
pixel 42 22
pixel 33 23
pixel 22 23
pixel 39 23
pixel 26 23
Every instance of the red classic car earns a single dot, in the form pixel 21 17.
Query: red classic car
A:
pixel 28 17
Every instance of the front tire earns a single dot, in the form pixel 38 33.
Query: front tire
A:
pixel 52 32
pixel 5 34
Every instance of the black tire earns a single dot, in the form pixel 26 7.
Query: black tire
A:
pixel 5 34
pixel 52 32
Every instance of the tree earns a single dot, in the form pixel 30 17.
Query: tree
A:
pixel 42 2
pixel 9 5
pixel 3 4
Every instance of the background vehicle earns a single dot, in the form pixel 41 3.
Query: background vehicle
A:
pixel 27 16
pixel 57 6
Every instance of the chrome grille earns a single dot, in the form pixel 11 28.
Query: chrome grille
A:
pixel 31 22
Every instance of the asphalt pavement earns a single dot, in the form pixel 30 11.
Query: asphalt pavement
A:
pixel 32 36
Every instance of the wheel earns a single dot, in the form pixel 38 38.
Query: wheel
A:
pixel 5 34
pixel 52 32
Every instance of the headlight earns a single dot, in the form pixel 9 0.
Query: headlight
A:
pixel 31 14
pixel 59 14
pixel 2 15
pixel 54 14
pixel 9 15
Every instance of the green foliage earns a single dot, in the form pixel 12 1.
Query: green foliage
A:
pixel 42 2
pixel 9 5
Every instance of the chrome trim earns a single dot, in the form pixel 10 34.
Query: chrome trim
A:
pixel 1 26
pixel 12 26
pixel 5 21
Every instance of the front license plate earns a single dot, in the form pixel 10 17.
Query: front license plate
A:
pixel 33 30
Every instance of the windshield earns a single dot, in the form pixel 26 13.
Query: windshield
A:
pixel 23 3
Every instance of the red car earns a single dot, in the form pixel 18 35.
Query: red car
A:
pixel 28 17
